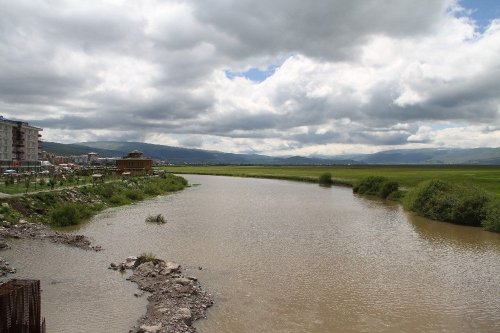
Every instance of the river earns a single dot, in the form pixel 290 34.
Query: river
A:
pixel 279 256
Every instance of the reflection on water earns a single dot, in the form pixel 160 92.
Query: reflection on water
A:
pixel 280 257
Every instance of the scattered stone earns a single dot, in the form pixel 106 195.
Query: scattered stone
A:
pixel 150 329
pixel 41 231
pixel 172 266
pixel 185 315
pixel 3 245
pixel 183 281
pixel 131 259
pixel 5 268
pixel 175 301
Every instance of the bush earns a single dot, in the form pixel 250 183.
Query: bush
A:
pixel 431 199
pixel 146 257
pixel 456 203
pixel 69 214
pixel 106 190
pixel 152 189
pixel 379 186
pixel 46 198
pixel 118 200
pixel 325 179
pixel 156 219
pixel 134 194
pixel 369 185
pixel 388 188
pixel 491 220
pixel 396 195
pixel 10 214
pixel 470 205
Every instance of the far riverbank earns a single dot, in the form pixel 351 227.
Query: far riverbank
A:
pixel 468 195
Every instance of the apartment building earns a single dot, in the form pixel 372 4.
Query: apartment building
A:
pixel 20 144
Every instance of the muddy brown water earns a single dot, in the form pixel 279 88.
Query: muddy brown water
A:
pixel 279 256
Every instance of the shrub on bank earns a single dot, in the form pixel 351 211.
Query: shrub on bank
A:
pixel 370 185
pixel 388 188
pixel 9 214
pixel 106 190
pixel 456 203
pixel 379 186
pixel 118 199
pixel 134 194
pixel 70 214
pixel 325 179
pixel 491 220
pixel 430 199
pixel 470 206
pixel 152 189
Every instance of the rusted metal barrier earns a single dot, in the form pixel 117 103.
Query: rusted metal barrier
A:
pixel 20 307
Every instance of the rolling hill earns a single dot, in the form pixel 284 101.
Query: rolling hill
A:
pixel 177 155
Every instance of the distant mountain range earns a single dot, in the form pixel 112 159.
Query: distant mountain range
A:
pixel 177 155
pixel 485 156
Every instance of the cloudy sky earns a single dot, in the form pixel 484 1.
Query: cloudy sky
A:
pixel 279 77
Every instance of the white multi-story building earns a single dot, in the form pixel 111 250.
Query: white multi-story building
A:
pixel 20 143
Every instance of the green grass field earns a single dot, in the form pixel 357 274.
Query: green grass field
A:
pixel 486 177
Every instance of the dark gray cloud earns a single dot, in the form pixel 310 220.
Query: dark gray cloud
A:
pixel 323 29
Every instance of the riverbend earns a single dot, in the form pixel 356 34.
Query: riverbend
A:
pixel 278 256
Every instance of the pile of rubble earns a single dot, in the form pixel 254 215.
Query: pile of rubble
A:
pixel 175 300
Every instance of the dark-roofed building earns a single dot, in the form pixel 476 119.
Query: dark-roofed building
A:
pixel 135 163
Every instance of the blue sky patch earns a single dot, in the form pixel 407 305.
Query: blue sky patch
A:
pixel 254 74
pixel 483 11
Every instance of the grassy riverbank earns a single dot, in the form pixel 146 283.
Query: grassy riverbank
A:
pixel 486 177
pixel 466 193
pixel 72 205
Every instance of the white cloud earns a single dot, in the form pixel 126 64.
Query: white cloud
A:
pixel 362 75
pixel 424 135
